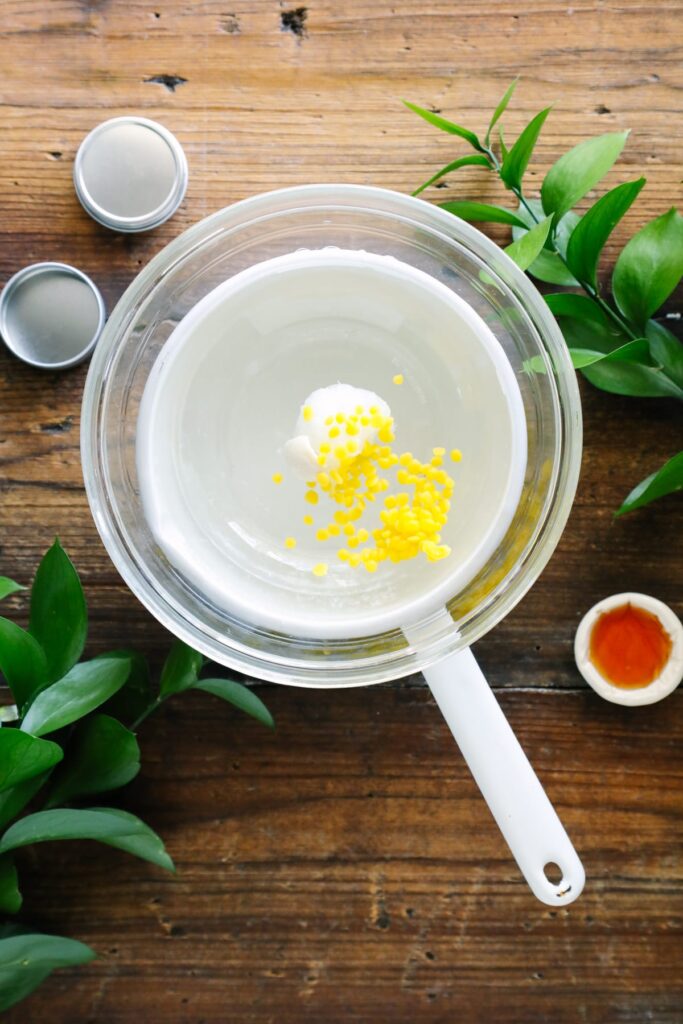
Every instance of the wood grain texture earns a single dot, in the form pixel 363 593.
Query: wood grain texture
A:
pixel 346 869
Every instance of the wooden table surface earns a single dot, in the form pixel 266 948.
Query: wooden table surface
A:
pixel 345 868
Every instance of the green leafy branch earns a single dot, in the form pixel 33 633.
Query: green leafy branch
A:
pixel 613 337
pixel 82 707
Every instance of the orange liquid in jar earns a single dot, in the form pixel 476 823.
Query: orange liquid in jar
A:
pixel 629 646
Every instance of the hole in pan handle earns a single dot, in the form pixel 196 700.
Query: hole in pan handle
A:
pixel 507 781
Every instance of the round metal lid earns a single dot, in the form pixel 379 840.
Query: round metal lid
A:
pixel 51 315
pixel 130 174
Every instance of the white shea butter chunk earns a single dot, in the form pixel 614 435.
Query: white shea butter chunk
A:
pixel 302 450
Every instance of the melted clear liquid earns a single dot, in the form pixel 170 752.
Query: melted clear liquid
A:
pixel 225 395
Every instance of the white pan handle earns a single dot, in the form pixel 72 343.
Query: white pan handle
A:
pixel 507 781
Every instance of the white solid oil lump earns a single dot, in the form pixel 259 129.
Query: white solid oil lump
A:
pixel 318 414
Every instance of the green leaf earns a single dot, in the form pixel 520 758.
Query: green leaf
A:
pixel 503 148
pixel 548 266
pixel 10 897
pixel 579 170
pixel 13 801
pixel 180 670
pixel 238 695
pixel 104 824
pixel 500 109
pixel 136 693
pixel 59 618
pixel 81 690
pixel 22 661
pixel 527 248
pixel 590 334
pixel 634 379
pixel 591 233
pixel 473 160
pixel 23 757
pixel 27 959
pixel 446 126
pixel 666 480
pixel 517 159
pixel 631 352
pixel 8 586
pixel 649 267
pixel 666 350
pixel 482 212
pixel 581 307
pixel 101 755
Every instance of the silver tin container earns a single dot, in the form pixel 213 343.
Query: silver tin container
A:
pixel 130 174
pixel 51 315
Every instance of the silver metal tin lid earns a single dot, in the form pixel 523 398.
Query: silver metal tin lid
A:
pixel 51 315
pixel 130 174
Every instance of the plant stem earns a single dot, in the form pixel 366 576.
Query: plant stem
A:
pixel 589 290
pixel 146 713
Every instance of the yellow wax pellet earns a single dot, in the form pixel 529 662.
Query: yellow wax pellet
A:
pixel 320 569
pixel 363 536
pixel 329 420
pixel 322 534
pixel 343 554
pixel 371 565
pixel 277 478
pixel 436 460
pixel 398 378
pixel 333 432
pixel 325 448
pixel 359 410
pixel 456 455
pixel 373 410
pixel 438 451
pixel 290 542
pixel 311 497
pixel 340 417
pixel 334 529
pixel 307 413
pixel 354 559
pixel 349 529
pixel 308 520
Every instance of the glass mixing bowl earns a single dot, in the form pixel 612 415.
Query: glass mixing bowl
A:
pixel 356 218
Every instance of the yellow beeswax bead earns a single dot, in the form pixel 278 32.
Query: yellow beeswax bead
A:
pixel 343 554
pixel 365 421
pixel 340 517
pixel 311 497
pixel 290 542
pixel 371 565
pixel 354 559
pixel 308 520
pixel 340 417
pixel 397 378
pixel 334 530
pixel 323 480
pixel 362 536
pixel 352 542
pixel 329 420
pixel 307 413
pixel 325 448
pixel 322 534
pixel 349 529
pixel 436 460
pixel 320 569
pixel 456 455
pixel 277 478
pixel 333 432
pixel 351 429
pixel 359 410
